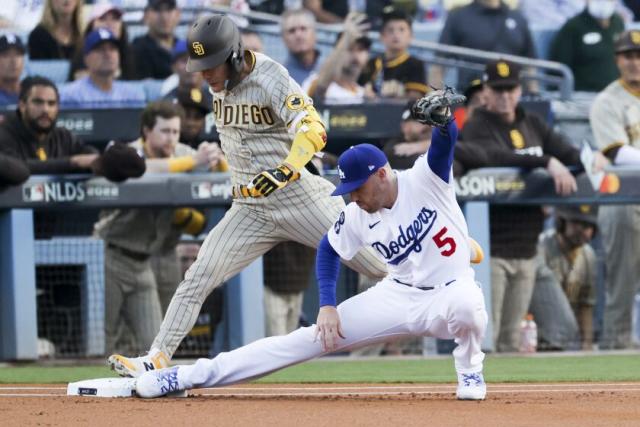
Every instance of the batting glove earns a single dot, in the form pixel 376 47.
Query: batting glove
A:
pixel 268 181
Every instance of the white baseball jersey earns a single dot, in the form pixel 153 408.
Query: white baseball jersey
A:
pixel 615 117
pixel 423 237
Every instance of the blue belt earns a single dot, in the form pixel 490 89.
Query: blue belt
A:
pixel 424 288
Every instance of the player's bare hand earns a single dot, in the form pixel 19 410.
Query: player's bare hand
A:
pixel 268 181
pixel 216 156
pixel 83 161
pixel 355 26
pixel 203 153
pixel 599 162
pixel 565 183
pixel 328 328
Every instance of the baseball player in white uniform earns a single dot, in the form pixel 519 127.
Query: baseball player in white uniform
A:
pixel 413 223
pixel 269 130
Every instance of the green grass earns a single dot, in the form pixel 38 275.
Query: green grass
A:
pixel 497 369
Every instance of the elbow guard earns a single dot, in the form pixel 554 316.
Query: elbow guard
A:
pixel 309 139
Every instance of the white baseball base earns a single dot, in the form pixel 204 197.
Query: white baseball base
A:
pixel 103 387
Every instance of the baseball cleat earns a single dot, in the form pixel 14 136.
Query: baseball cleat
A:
pixel 471 386
pixel 157 383
pixel 136 366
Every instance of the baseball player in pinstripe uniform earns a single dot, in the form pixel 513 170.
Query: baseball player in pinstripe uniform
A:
pixel 414 223
pixel 268 130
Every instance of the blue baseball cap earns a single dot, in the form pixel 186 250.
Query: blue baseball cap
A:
pixel 356 165
pixel 179 49
pixel 97 37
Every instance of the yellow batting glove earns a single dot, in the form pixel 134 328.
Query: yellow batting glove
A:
pixel 476 253
pixel 268 181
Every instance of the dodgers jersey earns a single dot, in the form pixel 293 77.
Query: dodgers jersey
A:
pixel 423 237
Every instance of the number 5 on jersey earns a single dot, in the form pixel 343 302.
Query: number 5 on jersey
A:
pixel 446 242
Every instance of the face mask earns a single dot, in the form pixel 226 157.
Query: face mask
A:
pixel 601 9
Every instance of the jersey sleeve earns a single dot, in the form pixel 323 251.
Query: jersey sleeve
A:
pixel 343 236
pixel 288 100
pixel 607 123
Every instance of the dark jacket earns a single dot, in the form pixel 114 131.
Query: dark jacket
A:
pixel 42 45
pixel 18 141
pixel 153 61
pixel 527 143
pixel 13 171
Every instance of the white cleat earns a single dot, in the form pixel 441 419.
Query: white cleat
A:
pixel 136 366
pixel 157 383
pixel 471 386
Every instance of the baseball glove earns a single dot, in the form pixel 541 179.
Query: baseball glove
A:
pixel 434 109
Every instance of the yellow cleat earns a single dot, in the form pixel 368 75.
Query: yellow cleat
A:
pixel 136 366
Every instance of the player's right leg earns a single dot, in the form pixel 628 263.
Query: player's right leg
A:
pixel 379 314
pixel 243 234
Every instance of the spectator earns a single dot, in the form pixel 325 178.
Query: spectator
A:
pixel 522 139
pixel 585 44
pixel 133 236
pixel 549 14
pixel 106 15
pixel 161 17
pixel 181 79
pixel 12 54
pixel 564 293
pixel 31 135
pixel 337 80
pixel 252 41
pixel 615 121
pixel 396 74
pixel 195 108
pixel 475 99
pixel 100 89
pixel 59 33
pixel 298 29
pixel 328 11
pixel 415 140
pixel 488 25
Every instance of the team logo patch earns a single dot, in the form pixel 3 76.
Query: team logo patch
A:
pixel 503 69
pixel 196 95
pixel 198 49
pixel 295 102
pixel 516 138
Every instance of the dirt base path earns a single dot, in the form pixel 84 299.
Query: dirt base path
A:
pixel 567 405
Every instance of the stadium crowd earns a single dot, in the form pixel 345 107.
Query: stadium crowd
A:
pixel 548 270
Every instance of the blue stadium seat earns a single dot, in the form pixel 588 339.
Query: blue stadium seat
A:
pixel 152 89
pixel 55 69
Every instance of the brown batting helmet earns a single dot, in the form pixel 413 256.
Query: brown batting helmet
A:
pixel 214 40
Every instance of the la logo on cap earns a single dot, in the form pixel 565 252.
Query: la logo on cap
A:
pixel 503 69
pixel 635 37
pixel 341 173
pixel 104 33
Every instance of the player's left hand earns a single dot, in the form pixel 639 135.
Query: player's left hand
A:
pixel 268 181
pixel 328 327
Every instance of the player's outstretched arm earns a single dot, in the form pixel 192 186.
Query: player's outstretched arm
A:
pixel 310 137
pixel 435 109
pixel 328 327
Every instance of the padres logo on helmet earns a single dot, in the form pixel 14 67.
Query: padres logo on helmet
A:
pixel 198 49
